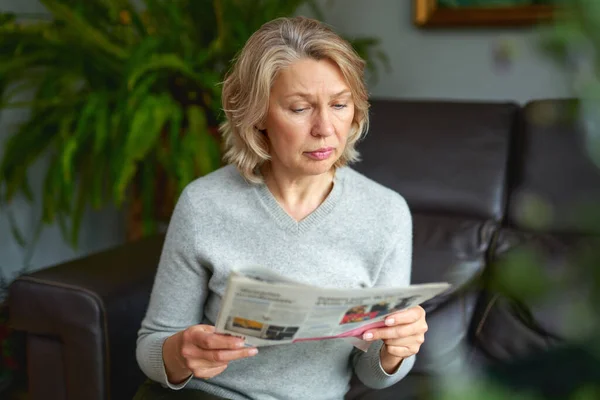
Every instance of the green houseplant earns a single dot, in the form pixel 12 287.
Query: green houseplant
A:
pixel 126 99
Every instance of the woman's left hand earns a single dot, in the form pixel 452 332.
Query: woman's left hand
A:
pixel 402 338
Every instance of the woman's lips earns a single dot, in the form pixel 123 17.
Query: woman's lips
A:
pixel 321 154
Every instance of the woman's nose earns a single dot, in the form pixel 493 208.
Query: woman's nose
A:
pixel 322 125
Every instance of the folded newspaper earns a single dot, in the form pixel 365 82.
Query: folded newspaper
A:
pixel 267 309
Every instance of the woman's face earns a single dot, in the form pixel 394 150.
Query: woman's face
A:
pixel 309 118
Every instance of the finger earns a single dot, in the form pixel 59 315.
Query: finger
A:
pixel 196 357
pixel 220 356
pixel 395 332
pixel 406 341
pixel 210 372
pixel 199 363
pixel 402 351
pixel 407 316
pixel 205 338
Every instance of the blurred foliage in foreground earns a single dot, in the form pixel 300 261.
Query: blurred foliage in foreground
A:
pixel 573 43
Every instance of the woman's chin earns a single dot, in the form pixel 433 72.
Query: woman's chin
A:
pixel 309 168
pixel 318 168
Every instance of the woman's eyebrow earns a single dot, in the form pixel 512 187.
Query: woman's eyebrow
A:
pixel 308 95
pixel 343 92
pixel 299 94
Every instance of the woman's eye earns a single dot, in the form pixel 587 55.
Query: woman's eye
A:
pixel 298 110
pixel 339 106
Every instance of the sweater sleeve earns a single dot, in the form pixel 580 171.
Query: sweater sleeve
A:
pixel 395 271
pixel 178 294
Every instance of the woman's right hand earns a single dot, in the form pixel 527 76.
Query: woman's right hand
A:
pixel 201 352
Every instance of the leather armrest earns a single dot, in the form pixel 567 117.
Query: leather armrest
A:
pixel 93 306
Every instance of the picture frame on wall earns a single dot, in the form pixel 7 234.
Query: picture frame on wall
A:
pixel 482 13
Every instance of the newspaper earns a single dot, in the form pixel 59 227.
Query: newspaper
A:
pixel 267 309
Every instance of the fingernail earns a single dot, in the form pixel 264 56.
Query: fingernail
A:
pixel 368 336
pixel 241 344
pixel 253 352
pixel 390 321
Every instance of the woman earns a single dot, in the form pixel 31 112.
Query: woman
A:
pixel 295 104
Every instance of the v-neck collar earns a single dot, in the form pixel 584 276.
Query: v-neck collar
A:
pixel 286 221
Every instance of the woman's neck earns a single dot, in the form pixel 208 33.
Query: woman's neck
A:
pixel 298 196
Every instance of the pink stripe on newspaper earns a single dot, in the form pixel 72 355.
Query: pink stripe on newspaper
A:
pixel 357 332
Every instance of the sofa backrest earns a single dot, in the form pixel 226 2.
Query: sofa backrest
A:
pixel 443 157
pixel 552 179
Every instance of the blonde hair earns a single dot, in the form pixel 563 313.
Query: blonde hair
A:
pixel 247 87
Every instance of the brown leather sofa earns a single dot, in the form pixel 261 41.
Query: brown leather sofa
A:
pixel 466 170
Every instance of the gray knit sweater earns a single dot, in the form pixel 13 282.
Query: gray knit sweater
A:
pixel 360 236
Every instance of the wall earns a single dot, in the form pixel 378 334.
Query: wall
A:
pixel 449 63
pixel 99 230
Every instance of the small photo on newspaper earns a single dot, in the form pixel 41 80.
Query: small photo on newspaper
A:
pixel 266 309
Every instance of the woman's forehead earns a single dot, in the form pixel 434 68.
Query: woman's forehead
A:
pixel 306 78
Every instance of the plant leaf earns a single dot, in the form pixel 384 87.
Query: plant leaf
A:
pixel 83 29
pixel 140 92
pixel 82 130
pixel 147 124
pixel 148 197
pixel 83 194
pixel 170 62
pixel 15 230
pixel 49 206
pixel 22 149
pixel 102 120
pixel 198 140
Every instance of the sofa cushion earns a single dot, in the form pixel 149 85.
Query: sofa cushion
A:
pixel 446 348
pixel 538 284
pixel 450 249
